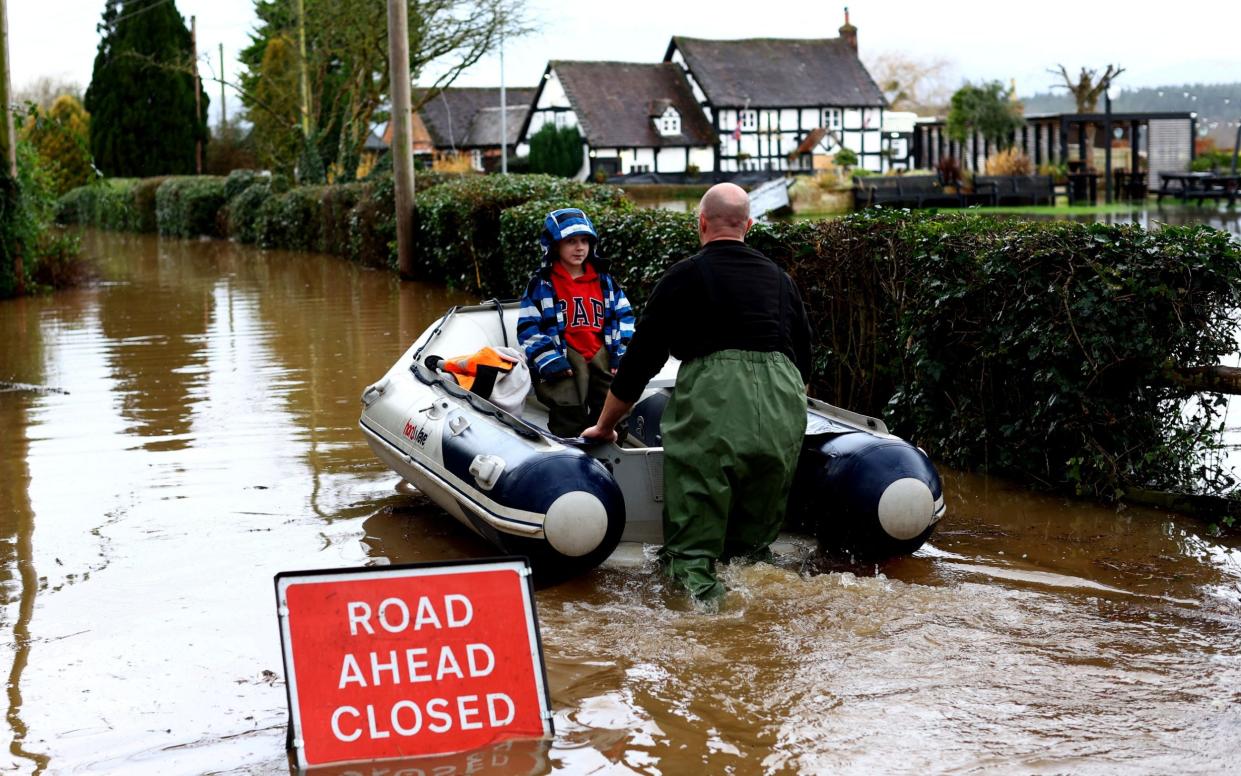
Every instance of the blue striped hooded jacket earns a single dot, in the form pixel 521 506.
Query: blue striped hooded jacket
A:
pixel 541 321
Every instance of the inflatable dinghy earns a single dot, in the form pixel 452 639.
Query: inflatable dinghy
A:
pixel 566 504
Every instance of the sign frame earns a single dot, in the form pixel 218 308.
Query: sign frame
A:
pixel 285 579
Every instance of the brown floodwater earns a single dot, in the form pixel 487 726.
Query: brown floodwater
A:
pixel 173 437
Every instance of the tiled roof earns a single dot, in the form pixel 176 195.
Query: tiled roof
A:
pixel 613 102
pixel 485 128
pixel 778 72
pixel 450 115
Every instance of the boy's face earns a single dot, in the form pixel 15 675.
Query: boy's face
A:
pixel 573 251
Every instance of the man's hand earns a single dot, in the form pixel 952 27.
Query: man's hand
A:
pixel 601 433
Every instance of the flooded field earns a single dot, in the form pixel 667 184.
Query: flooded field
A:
pixel 173 437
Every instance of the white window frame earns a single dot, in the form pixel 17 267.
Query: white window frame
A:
pixel 832 118
pixel 748 119
pixel 669 123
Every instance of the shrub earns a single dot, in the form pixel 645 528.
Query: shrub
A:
pixel 241 214
pixel 372 224
pixel 238 181
pixel 187 206
pixel 336 203
pixel 61 135
pixel 556 151
pixel 1010 161
pixel 31 253
pixel 145 213
pixel 845 157
pixel 106 204
pixel 292 220
pixel 1032 349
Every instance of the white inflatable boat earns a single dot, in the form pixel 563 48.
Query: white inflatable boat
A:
pixel 566 505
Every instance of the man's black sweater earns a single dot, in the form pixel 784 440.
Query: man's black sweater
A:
pixel 727 297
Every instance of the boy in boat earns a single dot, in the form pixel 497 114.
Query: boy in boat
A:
pixel 574 325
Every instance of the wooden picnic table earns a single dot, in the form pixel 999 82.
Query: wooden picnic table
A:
pixel 1198 185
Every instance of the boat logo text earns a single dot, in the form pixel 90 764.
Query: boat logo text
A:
pixel 413 433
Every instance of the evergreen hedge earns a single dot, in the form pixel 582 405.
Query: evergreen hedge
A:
pixel 187 206
pixel 1034 349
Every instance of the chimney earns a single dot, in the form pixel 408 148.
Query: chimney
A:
pixel 848 33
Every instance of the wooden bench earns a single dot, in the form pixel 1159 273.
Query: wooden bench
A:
pixel 1016 189
pixel 902 191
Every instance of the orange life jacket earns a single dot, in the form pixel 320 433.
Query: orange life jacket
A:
pixel 478 371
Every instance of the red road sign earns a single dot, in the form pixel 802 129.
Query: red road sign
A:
pixel 407 661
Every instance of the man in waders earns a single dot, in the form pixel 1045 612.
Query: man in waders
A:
pixel 733 428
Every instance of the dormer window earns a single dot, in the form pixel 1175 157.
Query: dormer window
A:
pixel 669 122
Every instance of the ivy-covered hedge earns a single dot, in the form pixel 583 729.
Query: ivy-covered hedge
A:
pixel 188 206
pixel 33 257
pixel 107 204
pixel 1035 349
pixel 459 223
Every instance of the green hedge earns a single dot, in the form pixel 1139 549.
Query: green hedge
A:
pixel 1035 349
pixel 459 224
pixel 189 206
pixel 33 257
pixel 639 244
pixel 107 204
pixel 1032 349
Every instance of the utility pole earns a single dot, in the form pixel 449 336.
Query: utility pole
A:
pixel 301 66
pixel 223 104
pixel 198 106
pixel 8 144
pixel 8 138
pixel 402 147
pixel 503 111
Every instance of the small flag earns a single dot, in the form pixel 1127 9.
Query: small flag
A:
pixel 737 131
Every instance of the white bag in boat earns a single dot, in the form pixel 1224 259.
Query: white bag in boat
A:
pixel 509 393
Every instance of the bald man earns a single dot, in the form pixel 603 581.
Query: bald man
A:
pixel 733 429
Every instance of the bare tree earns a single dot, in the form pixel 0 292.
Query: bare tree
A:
pixel 1086 91
pixel 347 59
pixel 909 83
pixel 44 90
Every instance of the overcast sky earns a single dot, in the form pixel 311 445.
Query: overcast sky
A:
pixel 982 39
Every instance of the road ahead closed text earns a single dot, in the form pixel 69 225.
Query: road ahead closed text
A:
pixel 395 666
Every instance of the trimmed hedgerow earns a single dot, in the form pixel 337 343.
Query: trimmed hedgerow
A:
pixel 187 206
pixel 1034 349
pixel 241 215
pixel 638 244
pixel 104 204
pixel 292 220
pixel 372 224
pixel 458 223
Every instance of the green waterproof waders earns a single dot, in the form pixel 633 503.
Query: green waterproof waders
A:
pixel 732 433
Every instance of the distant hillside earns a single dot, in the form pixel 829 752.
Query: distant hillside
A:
pixel 1218 105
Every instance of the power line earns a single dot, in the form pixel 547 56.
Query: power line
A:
pixel 153 5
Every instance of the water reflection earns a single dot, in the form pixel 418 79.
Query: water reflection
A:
pixel 208 440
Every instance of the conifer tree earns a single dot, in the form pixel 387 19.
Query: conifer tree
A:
pixel 141 96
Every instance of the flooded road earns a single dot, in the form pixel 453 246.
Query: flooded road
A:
pixel 174 437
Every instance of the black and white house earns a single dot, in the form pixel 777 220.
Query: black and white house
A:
pixel 775 104
pixel 633 117
pixel 722 107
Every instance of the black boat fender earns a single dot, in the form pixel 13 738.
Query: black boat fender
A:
pixel 865 495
